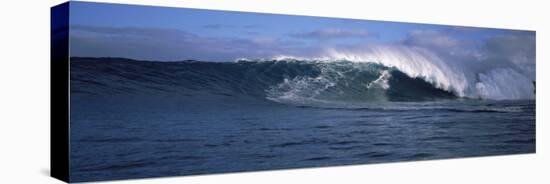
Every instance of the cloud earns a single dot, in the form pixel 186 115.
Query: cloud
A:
pixel 227 26
pixel 519 48
pixel 216 26
pixel 430 39
pixel 512 49
pixel 325 34
pixel 173 44
pixel 252 26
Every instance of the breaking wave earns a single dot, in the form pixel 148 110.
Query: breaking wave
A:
pixel 300 82
pixel 474 78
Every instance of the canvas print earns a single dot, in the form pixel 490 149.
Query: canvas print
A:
pixel 160 91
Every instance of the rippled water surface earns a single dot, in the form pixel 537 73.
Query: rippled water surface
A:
pixel 122 138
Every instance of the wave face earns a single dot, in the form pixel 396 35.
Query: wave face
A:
pixel 288 81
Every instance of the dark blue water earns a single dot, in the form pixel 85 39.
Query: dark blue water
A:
pixel 135 120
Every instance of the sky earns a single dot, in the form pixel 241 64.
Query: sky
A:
pixel 172 34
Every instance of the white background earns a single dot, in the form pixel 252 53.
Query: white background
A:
pixel 24 90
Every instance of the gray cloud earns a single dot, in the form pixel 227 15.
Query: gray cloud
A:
pixel 518 49
pixel 325 34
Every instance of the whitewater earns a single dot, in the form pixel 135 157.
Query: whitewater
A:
pixel 499 81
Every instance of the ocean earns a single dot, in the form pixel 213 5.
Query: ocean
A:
pixel 138 119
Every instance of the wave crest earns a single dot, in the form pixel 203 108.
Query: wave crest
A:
pixel 501 82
